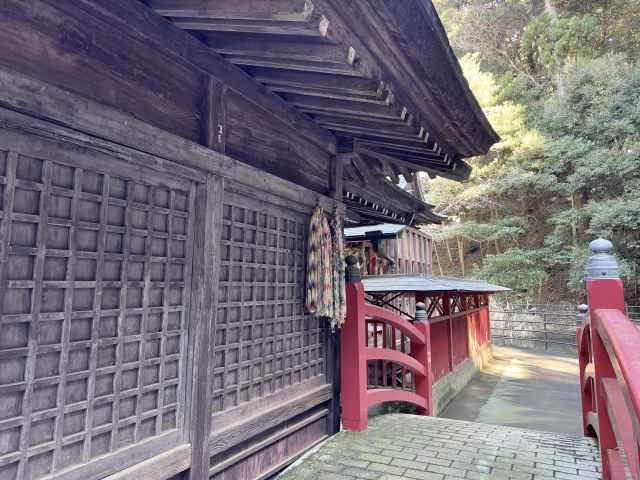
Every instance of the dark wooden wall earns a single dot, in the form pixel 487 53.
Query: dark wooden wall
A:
pixel 151 287
pixel 123 55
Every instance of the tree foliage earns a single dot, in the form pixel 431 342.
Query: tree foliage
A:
pixel 560 82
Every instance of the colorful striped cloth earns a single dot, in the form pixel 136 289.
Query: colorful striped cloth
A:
pixel 325 294
pixel 339 292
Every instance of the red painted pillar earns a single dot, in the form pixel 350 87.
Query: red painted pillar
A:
pixel 485 321
pixel 584 357
pixel 605 290
pixel 353 363
pixel 424 385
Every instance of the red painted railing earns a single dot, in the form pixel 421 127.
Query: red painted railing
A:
pixel 374 335
pixel 385 357
pixel 609 356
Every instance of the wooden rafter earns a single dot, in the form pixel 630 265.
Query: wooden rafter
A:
pixel 319 58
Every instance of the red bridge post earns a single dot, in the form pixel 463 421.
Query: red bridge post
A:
pixel 605 291
pixel 353 362
pixel 584 358
pixel 424 383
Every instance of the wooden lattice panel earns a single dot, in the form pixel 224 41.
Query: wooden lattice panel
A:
pixel 95 269
pixel 264 340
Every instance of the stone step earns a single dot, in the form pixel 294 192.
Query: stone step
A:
pixel 401 446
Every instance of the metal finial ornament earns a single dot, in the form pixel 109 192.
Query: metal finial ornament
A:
pixel 421 312
pixel 352 272
pixel 581 315
pixel 602 263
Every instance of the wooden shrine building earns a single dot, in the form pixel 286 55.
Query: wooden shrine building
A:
pixel 159 163
pixel 390 248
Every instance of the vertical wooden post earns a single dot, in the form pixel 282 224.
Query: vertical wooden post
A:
pixel 334 374
pixel 605 291
pixel 335 176
pixel 424 385
pixel 353 363
pixel 446 303
pixel 206 265
pixel 213 126
pixel 546 336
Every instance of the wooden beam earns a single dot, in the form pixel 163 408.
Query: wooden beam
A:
pixel 321 105
pixel 213 122
pixel 208 231
pixel 336 175
pixel 85 122
pixel 133 19
pixel 407 126
pixel 414 165
pixel 278 47
pixel 240 9
pixel 420 136
pixel 428 150
pixel 294 64
pixel 161 467
pixel 322 93
pixel 311 30
pixel 342 84
pixel 458 171
pixel 263 420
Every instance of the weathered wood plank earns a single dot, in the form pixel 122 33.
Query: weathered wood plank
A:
pixel 253 9
pixel 214 119
pixel 111 464
pixel 232 435
pixel 336 175
pixel 208 207
pixel 275 47
pixel 102 122
pixel 160 467
pixel 345 85
pixel 68 47
pixel 332 353
pixel 286 431
pixel 260 142
pixel 138 21
pixel 272 459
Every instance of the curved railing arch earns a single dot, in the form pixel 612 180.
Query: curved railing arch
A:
pixel 609 357
pixel 366 339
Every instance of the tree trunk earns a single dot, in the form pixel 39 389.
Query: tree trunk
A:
pixel 435 250
pixel 550 8
pixel 460 242
pixel 446 244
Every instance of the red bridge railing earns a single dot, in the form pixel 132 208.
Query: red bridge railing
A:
pixel 609 356
pixel 388 357
pixel 403 349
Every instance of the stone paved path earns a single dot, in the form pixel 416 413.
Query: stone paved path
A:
pixel 396 447
pixel 525 389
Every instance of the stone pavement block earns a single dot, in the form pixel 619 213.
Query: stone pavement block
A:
pixel 447 470
pixel 360 473
pixel 432 460
pixel 403 455
pixel 383 468
pixel 385 452
pixel 420 475
pixel 372 457
pixel 352 462
pixel 408 464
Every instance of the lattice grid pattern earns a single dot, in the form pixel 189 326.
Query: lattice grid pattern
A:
pixel 264 340
pixel 93 300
